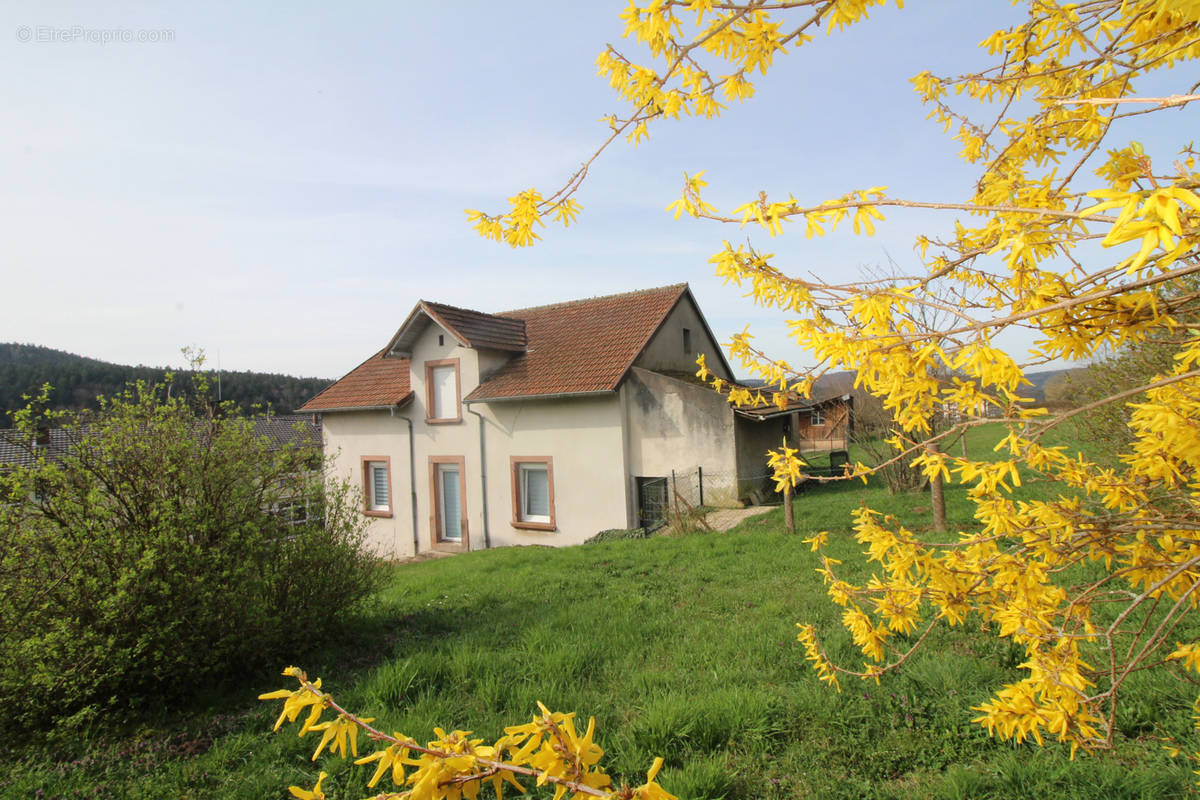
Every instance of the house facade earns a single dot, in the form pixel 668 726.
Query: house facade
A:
pixel 471 430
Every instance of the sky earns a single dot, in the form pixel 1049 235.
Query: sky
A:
pixel 279 188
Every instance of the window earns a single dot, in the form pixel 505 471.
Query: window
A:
pixel 449 506
pixel 377 486
pixel 816 418
pixel 687 341
pixel 442 402
pixel 533 493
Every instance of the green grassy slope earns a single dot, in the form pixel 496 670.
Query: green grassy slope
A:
pixel 681 647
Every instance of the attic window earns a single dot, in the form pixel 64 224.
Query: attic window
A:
pixel 687 341
pixel 441 340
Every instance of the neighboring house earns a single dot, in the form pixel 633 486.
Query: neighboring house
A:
pixel 19 449
pixel 544 425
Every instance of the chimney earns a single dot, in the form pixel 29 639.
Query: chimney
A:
pixel 42 437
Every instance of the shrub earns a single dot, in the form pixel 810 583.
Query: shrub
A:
pixel 612 534
pixel 142 553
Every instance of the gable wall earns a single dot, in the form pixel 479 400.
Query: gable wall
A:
pixel 665 351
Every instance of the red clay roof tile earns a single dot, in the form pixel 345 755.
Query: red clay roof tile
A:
pixel 479 329
pixel 378 382
pixel 578 347
pixel 582 346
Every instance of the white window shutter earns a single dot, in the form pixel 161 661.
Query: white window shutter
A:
pixel 445 392
pixel 535 493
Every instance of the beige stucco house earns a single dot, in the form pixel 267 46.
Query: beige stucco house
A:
pixel 471 430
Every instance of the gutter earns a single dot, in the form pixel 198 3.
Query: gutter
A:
pixel 554 396
pixel 392 407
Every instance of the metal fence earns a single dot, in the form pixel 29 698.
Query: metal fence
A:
pixel 685 489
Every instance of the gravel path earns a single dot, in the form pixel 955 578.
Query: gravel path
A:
pixel 725 518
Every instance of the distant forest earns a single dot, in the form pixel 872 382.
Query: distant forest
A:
pixel 78 381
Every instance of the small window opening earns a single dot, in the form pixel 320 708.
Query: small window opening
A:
pixel 687 341
pixel 441 339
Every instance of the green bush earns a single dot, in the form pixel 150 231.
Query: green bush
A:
pixel 143 552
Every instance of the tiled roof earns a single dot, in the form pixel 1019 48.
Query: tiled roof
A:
pixel 378 382
pixel 17 449
pixel 579 347
pixel 285 429
pixel 582 346
pixel 478 329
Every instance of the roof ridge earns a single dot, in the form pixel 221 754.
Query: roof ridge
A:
pixel 675 286
pixel 460 308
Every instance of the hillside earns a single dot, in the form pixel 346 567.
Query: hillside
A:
pixel 77 381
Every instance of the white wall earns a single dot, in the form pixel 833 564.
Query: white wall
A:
pixel 583 437
pixel 351 435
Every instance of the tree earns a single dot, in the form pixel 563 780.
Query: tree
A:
pixel 1083 238
pixel 148 545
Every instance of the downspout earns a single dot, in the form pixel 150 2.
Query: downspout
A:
pixel 412 483
pixel 631 510
pixel 487 541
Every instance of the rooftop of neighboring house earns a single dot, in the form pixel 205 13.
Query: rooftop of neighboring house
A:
pixel 578 347
pixel 18 448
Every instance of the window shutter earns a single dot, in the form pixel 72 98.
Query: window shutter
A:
pixel 445 393
pixel 451 504
pixel 536 492
pixel 379 487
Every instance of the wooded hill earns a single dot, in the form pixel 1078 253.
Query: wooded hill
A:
pixel 78 381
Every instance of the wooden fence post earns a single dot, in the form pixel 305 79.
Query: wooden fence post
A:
pixel 789 519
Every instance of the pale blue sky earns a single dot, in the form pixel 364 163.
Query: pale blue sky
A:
pixel 281 186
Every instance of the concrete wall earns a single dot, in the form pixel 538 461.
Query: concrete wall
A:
pixel 677 425
pixel 665 350
pixel 754 439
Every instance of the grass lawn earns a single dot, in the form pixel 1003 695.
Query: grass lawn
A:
pixel 682 647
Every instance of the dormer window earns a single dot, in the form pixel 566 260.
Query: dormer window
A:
pixel 443 401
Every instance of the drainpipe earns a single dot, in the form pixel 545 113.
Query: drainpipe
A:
pixel 487 541
pixel 412 483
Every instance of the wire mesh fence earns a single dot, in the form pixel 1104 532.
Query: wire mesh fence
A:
pixel 701 488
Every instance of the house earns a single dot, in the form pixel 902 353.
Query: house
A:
pixel 544 425
pixel 302 502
